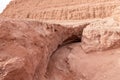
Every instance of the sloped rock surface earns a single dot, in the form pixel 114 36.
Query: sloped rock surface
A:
pixel 96 57
pixel 33 50
pixel 26 47
pixel 71 62
pixel 60 9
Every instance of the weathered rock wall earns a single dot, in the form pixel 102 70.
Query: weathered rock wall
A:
pixel 33 50
pixel 60 9
pixel 25 47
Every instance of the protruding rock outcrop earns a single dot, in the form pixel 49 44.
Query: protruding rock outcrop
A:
pixel 101 35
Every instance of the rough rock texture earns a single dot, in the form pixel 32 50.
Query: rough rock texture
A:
pixel 96 57
pixel 83 50
pixel 33 50
pixel 26 47
pixel 72 63
pixel 116 14
pixel 97 38
pixel 60 9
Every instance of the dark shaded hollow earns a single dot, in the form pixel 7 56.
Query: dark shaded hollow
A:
pixel 71 39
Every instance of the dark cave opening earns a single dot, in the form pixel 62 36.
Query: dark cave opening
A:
pixel 69 40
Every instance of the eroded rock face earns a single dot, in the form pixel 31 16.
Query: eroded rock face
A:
pixel 26 47
pixel 96 57
pixel 33 50
pixel 60 10
pixel 101 35
pixel 116 14
pixel 71 62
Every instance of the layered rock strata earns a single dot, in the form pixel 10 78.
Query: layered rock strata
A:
pixel 60 10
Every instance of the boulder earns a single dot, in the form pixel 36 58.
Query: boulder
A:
pixel 101 35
